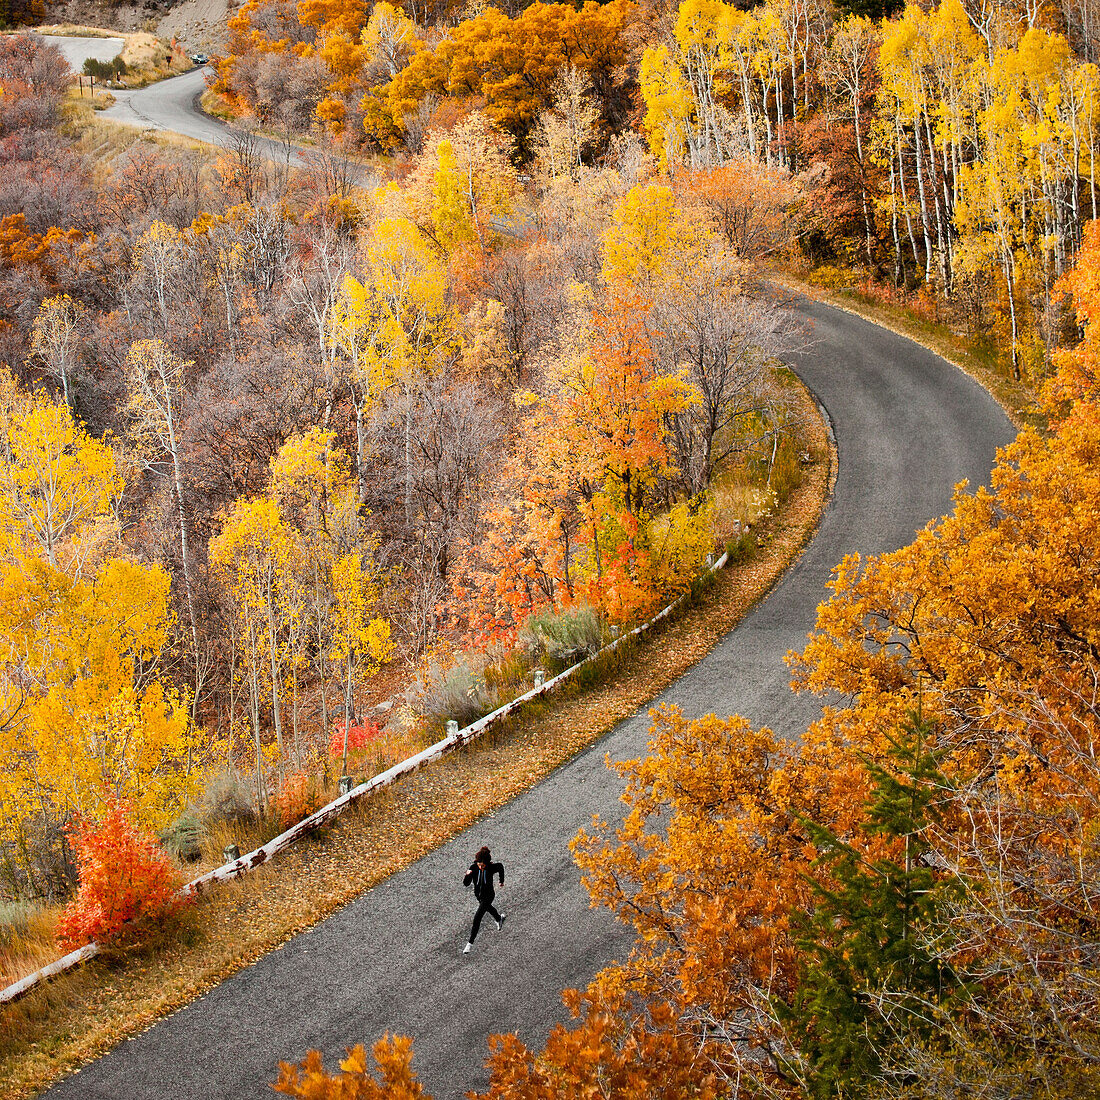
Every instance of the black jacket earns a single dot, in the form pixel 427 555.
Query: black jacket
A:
pixel 483 880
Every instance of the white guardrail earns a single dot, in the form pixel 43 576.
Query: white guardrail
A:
pixel 333 809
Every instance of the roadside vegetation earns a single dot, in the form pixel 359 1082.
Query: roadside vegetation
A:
pixel 270 402
pixel 329 466
pixel 143 59
pixel 84 1012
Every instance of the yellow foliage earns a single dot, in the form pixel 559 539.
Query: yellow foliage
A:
pixel 652 241
pixel 54 479
pixel 84 715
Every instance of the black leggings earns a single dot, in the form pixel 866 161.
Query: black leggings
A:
pixel 484 907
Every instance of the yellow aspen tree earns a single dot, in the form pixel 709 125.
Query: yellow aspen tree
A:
pixel 100 724
pixel 464 181
pixel 652 242
pixel 316 493
pixel 56 337
pixel 767 38
pixel 390 37
pixel 360 641
pixel 81 632
pixel 668 106
pixel 846 61
pixel 253 557
pixel 158 258
pixel 903 58
pixel 452 221
pixel 55 480
pixel 568 127
pixel 392 323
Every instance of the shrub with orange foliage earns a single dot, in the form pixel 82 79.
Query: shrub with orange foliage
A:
pixel 309 1081
pixel 299 795
pixel 127 882
pixel 21 247
pixel 749 204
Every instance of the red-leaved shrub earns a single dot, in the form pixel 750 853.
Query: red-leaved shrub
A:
pixel 126 882
pixel 359 737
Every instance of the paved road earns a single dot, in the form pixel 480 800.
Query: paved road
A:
pixel 172 106
pixel 908 427
pixel 79 50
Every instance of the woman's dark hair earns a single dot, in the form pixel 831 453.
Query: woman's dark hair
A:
pixel 483 855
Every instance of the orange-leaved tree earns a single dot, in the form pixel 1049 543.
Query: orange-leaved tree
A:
pixel 594 463
pixel 988 622
pixel 127 883
pixel 1077 372
pixel 512 63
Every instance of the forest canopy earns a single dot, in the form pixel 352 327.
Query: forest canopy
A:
pixel 470 380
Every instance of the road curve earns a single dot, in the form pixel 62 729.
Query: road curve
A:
pixel 172 106
pixel 908 428
pixel 78 49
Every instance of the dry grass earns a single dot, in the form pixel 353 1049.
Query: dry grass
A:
pixel 142 50
pixel 27 939
pixel 68 1022
pixel 78 30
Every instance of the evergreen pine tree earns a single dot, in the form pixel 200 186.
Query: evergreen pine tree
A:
pixel 862 937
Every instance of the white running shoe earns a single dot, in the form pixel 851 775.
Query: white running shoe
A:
pixel 467 949
pixel 500 923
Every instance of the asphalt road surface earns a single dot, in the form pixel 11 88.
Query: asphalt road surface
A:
pixel 172 106
pixel 908 427
pixel 78 50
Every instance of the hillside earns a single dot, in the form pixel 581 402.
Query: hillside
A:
pixel 196 25
pixel 296 472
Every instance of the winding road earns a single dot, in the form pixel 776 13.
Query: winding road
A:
pixel 908 427
pixel 172 106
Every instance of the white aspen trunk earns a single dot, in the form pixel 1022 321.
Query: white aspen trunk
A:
pixel 1007 266
pixel 941 248
pixel 360 448
pixel 780 133
pixel 254 699
pixel 917 145
pixel 767 125
pixel 794 76
pixel 904 193
pixel 294 719
pixel 1092 161
pixel 949 214
pixel 472 196
pixel 276 711
pixel 894 224
pixel 347 709
pixel 408 456
pixel 750 122
pixel 230 321
pixel 232 696
pixel 185 556
pixel 867 231
pixel 320 654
